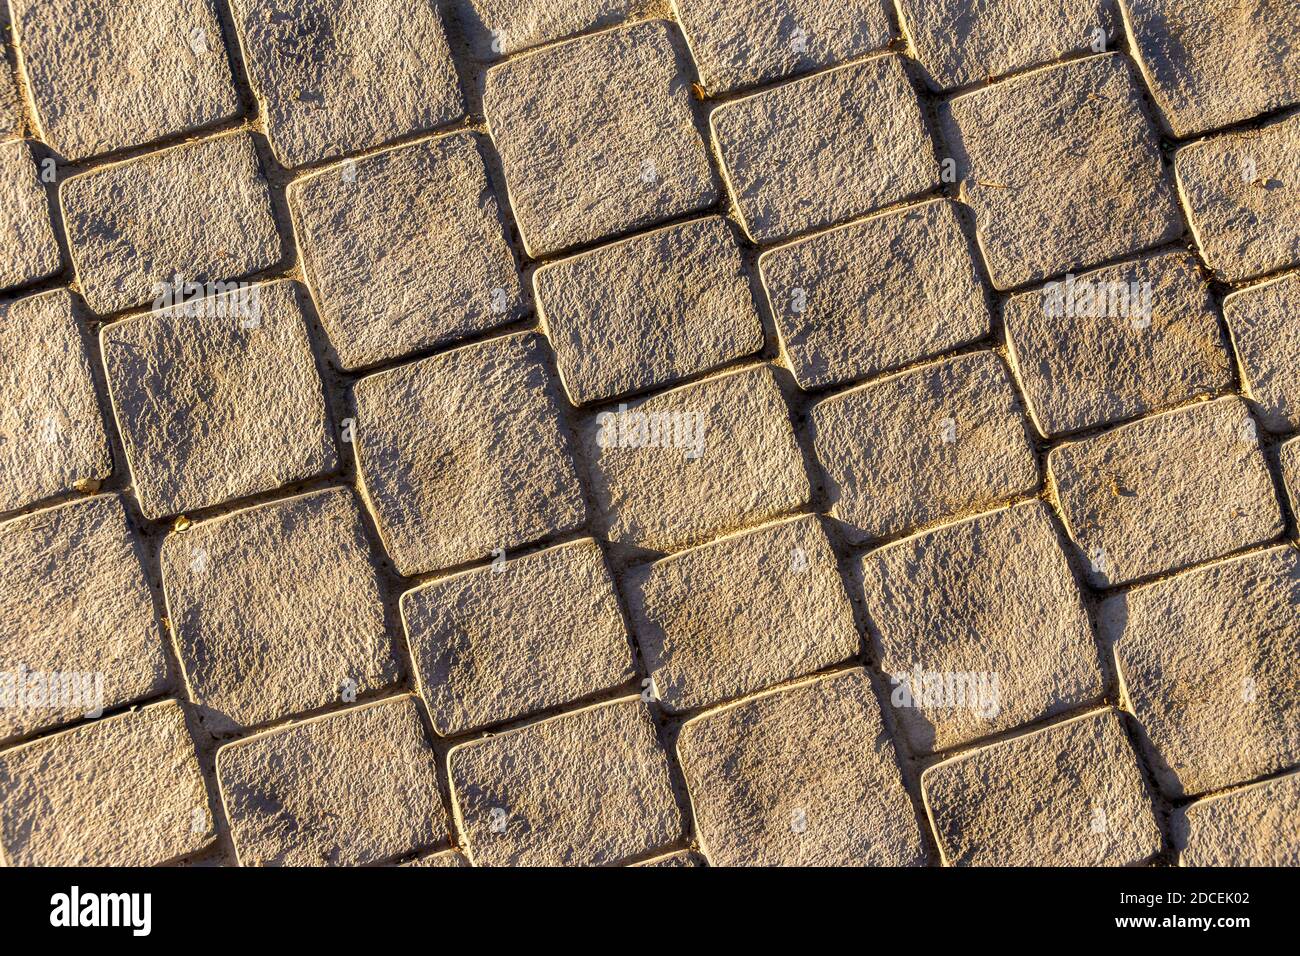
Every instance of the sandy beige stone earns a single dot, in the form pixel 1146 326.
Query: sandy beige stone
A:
pixel 341 76
pixel 124 791
pixel 277 610
pixel 464 453
pixel 741 614
pixel 923 445
pixel 51 429
pixel 516 637
pixel 447 858
pixel 495 28
pixel 801 776
pixel 74 601
pixel 1266 334
pixel 958 42
pixel 405 250
pixel 1068 795
pixel 825 148
pixel 354 787
pixel 1209 662
pixel 1062 168
pixel 684 466
pixel 28 249
pixel 746 42
pixel 598 136
pixel 649 310
pixel 876 294
pixel 587 788
pixel 1255 826
pixel 1289 459
pixel 1168 491
pixel 1209 63
pixel 219 399
pixel 11 110
pixel 200 212
pixel 681 858
pixel 1115 343
pixel 980 627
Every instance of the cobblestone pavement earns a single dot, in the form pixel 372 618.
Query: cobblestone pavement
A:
pixel 720 431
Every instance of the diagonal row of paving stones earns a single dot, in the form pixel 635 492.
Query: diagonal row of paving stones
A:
pixel 509 432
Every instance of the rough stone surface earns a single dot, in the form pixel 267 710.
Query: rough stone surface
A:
pixel 339 76
pixel 200 212
pixel 1115 343
pixel 672 860
pixel 1129 495
pixel 125 791
pixel 802 776
pixel 517 637
pixel 1242 194
pixel 218 400
pixel 1209 662
pixel 705 459
pixel 598 136
pixel 28 249
pixel 1289 456
pixel 277 610
pixel 980 627
pixel 824 149
pixel 1062 168
pixel 648 311
pixel 11 111
pixel 959 42
pixel 496 28
pixel 74 601
pixel 349 788
pixel 746 42
pixel 106 75
pixel 405 250
pixel 1068 795
pixel 741 614
pixel 465 453
pixel 51 429
pixel 587 788
pixel 1257 826
pixel 447 858
pixel 875 295
pixel 1264 322
pixel 1209 63
pixel 923 445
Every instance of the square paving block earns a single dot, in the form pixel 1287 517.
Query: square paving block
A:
pixel 28 249
pixel 1264 322
pixel 1254 826
pixel 496 28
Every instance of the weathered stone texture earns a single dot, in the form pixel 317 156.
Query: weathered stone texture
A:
pixel 1255 826
pixel 496 28
pixel 1264 322
pixel 28 249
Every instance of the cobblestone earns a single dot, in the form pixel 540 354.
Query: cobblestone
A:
pixel 28 249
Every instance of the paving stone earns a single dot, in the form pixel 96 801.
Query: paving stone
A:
pixel 447 858
pixel 495 28
pixel 877 294
pixel 11 110
pixel 1266 336
pixel 124 791
pixel 200 212
pixel 106 75
pixel 1062 168
pixel 353 787
pixel 218 399
pixel 678 859
pixel 746 42
pixel 1176 489
pixel 701 460
pixel 1116 343
pixel 1068 795
pixel 28 249
pixel 1289 455
pixel 51 430
pixel 341 76
pixel 77 615
pixel 741 614
pixel 923 445
pixel 1209 63
pixel 516 637
pixel 824 149
pixel 277 610
pixel 1242 193
pixel 464 453
pixel 801 776
pixel 1256 826
pixel 598 136
pixel 980 627
pixel 587 788
pixel 405 250
pixel 1209 662
pixel 958 43
pixel 649 310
